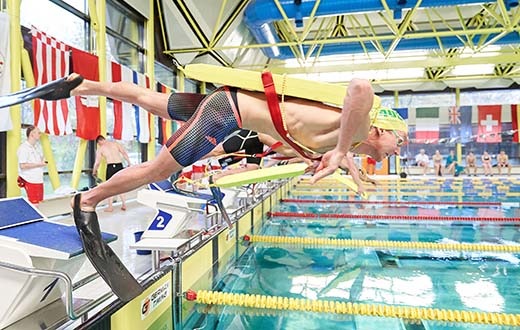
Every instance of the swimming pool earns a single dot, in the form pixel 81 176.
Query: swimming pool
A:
pixel 418 277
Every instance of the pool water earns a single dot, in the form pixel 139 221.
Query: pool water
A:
pixel 471 281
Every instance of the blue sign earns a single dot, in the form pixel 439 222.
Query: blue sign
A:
pixel 160 221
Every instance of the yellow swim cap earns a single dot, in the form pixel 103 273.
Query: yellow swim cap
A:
pixel 387 118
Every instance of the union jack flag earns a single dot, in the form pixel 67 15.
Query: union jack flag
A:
pixel 455 116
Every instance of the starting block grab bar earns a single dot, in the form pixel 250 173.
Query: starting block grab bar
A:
pixel 69 288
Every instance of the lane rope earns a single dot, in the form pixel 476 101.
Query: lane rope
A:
pixel 340 307
pixel 390 217
pixel 378 244
pixel 407 203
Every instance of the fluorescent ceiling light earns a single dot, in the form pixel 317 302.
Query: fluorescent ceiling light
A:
pixel 390 74
pixel 471 70
pixel 350 59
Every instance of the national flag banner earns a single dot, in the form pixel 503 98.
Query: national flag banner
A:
pixel 460 123
pixel 403 112
pixel 142 117
pixel 5 71
pixel 489 124
pixel 162 137
pixel 123 111
pixel 454 116
pixel 163 124
pixel 88 125
pixel 51 61
pixel 427 125
pixel 515 121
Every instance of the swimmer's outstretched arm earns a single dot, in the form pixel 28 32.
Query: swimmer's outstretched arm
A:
pixel 355 115
pixel 348 161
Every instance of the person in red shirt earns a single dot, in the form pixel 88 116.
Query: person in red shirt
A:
pixel 30 166
pixel 371 165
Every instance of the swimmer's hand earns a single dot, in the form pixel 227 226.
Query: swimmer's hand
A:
pixel 329 164
pixel 361 191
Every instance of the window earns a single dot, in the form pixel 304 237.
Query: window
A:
pixel 125 45
pixel 70 28
pixel 125 36
pixel 165 75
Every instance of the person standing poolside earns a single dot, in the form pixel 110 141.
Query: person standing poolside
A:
pixel 30 166
pixel 114 154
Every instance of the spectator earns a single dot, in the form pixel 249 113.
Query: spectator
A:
pixel 471 163
pixel 422 160
pixel 486 164
pixel 437 162
pixel 406 157
pixel 451 163
pixel 30 166
pixel 371 165
pixel 503 161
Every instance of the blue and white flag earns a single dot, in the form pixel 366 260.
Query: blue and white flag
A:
pixel 142 117
pixel 403 112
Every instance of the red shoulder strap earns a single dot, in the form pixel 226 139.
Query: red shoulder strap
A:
pixel 276 114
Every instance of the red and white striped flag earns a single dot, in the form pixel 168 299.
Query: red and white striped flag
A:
pixel 124 117
pixel 51 61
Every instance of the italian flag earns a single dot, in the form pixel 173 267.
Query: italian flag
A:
pixel 427 125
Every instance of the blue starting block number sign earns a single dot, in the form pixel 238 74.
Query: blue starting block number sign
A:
pixel 161 220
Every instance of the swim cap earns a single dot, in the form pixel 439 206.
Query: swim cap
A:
pixel 387 118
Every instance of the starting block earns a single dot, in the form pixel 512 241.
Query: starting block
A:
pixel 29 241
pixel 174 211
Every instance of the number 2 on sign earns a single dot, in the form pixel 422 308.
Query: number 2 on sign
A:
pixel 160 221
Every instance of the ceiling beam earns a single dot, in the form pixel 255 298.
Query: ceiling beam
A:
pixel 400 63
pixel 415 35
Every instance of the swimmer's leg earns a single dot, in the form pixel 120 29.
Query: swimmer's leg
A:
pixel 154 102
pixel 54 90
pixel 214 120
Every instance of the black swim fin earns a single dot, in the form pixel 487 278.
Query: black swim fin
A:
pixel 102 257
pixel 217 195
pixel 54 90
